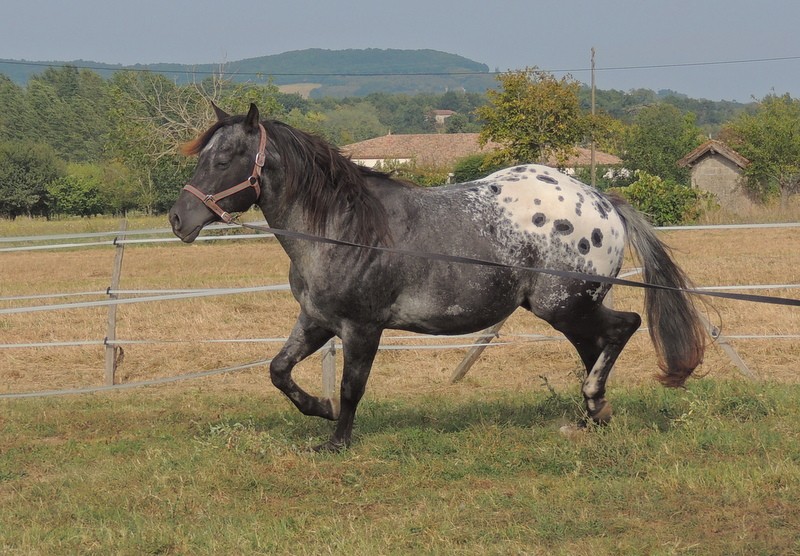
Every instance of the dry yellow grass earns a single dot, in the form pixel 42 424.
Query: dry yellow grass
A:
pixel 717 257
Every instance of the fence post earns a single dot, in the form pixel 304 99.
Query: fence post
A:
pixel 722 342
pixel 329 369
pixel 113 352
pixel 475 351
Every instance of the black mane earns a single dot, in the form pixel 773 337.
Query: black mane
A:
pixel 324 182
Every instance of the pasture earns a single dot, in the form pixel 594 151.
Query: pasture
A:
pixel 220 465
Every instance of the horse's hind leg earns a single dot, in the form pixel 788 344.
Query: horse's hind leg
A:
pixel 599 336
pixel 306 338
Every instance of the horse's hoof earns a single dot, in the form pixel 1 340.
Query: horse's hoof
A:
pixel 601 412
pixel 573 431
pixel 330 447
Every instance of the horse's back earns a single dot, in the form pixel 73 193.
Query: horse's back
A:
pixel 527 216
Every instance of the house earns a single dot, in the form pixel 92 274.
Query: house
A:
pixel 439 116
pixel 718 169
pixel 443 150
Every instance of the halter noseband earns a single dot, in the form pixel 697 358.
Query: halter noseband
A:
pixel 253 181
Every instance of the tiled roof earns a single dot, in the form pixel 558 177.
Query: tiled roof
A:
pixel 711 147
pixel 434 149
pixel 444 149
pixel 584 158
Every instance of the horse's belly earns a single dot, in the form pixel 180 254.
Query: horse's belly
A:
pixel 456 307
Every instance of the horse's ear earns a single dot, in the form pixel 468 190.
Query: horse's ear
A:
pixel 252 116
pixel 221 114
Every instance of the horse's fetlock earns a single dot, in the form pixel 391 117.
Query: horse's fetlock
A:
pixel 599 411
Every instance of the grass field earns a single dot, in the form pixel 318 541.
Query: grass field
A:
pixel 221 466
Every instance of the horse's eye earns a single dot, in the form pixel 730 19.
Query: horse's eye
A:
pixel 222 164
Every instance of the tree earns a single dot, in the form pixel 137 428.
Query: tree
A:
pixel 659 137
pixel 16 120
pixel 534 115
pixel 70 112
pixel 770 139
pixel 152 117
pixel 26 170
pixel 349 124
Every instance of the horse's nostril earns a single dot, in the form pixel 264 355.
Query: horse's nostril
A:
pixel 175 220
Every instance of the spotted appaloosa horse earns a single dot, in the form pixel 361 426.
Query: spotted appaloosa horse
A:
pixel 527 216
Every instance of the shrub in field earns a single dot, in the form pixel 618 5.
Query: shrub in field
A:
pixel 664 201
pixel 76 196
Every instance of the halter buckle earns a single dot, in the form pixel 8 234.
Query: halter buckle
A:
pixel 261 159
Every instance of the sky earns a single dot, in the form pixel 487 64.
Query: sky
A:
pixel 714 49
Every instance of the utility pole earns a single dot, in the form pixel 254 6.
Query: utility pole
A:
pixel 593 165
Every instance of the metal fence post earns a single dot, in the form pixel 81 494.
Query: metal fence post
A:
pixel 114 352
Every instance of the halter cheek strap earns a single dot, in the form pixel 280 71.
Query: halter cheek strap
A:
pixel 253 181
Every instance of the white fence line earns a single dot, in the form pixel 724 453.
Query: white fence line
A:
pixel 526 338
pixel 149 296
pixel 145 299
pixel 222 227
pixel 138 384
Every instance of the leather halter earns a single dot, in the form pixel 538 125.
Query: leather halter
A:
pixel 253 181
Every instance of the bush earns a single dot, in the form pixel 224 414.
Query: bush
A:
pixel 666 203
pixel 474 167
pixel 76 196
pixel 421 175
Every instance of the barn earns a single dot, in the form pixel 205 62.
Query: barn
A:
pixel 718 169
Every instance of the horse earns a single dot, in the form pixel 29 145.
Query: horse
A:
pixel 365 274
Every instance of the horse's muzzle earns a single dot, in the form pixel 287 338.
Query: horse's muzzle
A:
pixel 186 234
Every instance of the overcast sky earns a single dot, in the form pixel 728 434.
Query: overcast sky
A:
pixel 715 49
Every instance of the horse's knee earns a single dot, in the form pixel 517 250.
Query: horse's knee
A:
pixel 280 371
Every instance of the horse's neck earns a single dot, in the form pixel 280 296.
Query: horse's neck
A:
pixel 280 217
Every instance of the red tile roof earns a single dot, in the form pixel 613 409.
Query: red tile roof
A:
pixel 444 149
pixel 431 149
pixel 712 147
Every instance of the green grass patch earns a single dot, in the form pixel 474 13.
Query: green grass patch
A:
pixel 714 469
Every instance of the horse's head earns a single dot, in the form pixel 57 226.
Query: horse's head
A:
pixel 227 177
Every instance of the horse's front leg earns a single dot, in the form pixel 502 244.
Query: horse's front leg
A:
pixel 359 348
pixel 306 338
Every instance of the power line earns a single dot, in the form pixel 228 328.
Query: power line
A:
pixel 102 67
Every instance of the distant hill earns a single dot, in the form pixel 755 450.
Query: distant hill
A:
pixel 338 73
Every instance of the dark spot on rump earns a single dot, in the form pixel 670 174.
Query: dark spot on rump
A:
pixel 537 202
pixel 547 179
pixel 601 211
pixel 496 189
pixel 539 219
pixel 561 198
pixel 583 246
pixel 578 208
pixel 519 169
pixel 507 199
pixel 597 237
pixel 563 226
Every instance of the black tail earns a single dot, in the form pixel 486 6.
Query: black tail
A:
pixel 675 326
